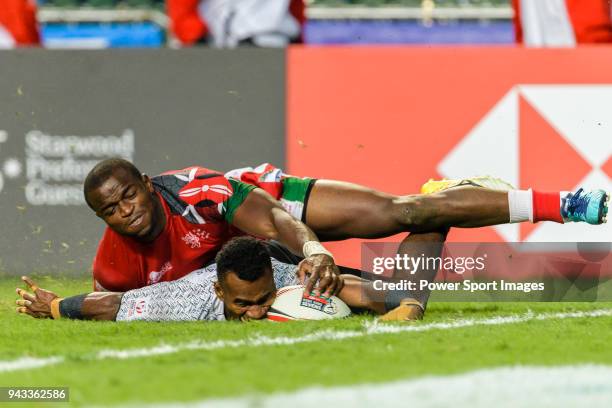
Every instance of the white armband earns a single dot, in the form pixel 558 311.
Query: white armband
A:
pixel 315 248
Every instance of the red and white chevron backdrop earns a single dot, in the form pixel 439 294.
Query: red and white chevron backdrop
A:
pixel 391 118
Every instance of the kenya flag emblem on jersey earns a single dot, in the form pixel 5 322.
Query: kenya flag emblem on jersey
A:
pixel 198 194
pixel 203 190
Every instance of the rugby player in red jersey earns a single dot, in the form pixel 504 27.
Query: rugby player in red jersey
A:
pixel 162 228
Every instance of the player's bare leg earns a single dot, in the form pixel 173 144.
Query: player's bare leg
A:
pixel 339 210
pixel 397 305
pixel 429 245
pixel 359 293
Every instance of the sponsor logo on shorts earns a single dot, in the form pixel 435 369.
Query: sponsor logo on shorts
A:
pixel 295 208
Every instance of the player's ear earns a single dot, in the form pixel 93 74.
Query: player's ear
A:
pixel 147 181
pixel 218 290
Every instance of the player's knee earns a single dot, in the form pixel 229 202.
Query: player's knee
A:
pixel 414 212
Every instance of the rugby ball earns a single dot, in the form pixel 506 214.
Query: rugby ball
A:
pixel 292 304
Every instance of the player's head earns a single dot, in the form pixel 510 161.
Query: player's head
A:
pixel 245 280
pixel 124 198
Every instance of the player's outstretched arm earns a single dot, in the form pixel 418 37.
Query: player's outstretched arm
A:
pixel 263 216
pixel 43 304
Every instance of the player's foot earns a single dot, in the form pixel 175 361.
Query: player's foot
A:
pixel 409 310
pixel 581 206
pixel 494 183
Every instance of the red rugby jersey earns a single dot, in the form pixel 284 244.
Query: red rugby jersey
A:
pixel 199 205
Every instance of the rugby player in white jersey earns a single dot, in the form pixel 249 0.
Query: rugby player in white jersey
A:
pixel 241 285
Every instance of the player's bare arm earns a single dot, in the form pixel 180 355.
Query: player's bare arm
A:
pixel 43 304
pixel 263 216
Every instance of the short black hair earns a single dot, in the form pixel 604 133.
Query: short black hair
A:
pixel 247 257
pixel 103 170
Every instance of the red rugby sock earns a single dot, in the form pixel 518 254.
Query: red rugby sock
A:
pixel 547 206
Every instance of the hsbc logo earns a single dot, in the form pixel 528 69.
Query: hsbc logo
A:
pixel 549 137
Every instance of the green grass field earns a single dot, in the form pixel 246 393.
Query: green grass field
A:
pixel 209 360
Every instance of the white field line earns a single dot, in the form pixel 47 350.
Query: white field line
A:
pixel 504 387
pixel 328 335
pixel 27 363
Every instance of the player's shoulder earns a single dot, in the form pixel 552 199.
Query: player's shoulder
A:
pixel 206 276
pixel 196 193
pixel 188 173
pixel 193 185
